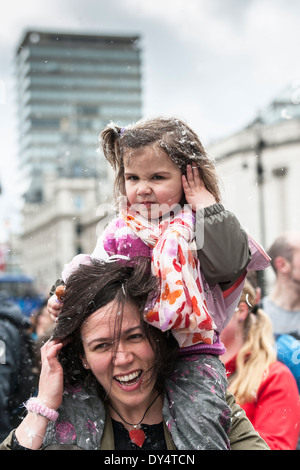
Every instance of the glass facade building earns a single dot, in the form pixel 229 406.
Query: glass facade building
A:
pixel 69 86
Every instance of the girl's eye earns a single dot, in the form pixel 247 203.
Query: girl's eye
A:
pixel 158 177
pixel 131 178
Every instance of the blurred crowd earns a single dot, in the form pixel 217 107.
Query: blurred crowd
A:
pixel 21 338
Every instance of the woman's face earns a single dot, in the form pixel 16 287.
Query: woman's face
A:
pixel 125 369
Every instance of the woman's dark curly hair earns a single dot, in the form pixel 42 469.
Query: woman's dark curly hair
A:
pixel 91 287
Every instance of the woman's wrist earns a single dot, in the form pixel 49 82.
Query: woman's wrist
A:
pixel 15 444
pixel 30 433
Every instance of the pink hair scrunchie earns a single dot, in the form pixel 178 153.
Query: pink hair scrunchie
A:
pixel 36 406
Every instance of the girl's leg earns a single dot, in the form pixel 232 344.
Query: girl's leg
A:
pixel 196 411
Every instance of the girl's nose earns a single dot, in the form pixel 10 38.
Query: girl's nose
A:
pixel 143 188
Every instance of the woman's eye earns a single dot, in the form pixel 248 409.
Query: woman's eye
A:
pixel 102 346
pixel 135 337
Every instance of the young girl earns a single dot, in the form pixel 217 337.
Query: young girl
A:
pixel 199 252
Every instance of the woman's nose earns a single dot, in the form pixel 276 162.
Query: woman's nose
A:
pixel 123 356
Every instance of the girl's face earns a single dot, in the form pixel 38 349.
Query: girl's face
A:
pixel 123 365
pixel 153 183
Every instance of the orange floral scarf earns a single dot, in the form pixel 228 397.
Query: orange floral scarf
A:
pixel 181 305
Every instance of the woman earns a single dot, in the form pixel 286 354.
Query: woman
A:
pixel 263 387
pixel 111 378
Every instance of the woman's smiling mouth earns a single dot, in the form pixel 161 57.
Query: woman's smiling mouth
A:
pixel 129 379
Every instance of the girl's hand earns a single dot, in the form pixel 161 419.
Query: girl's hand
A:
pixel 54 307
pixel 51 376
pixel 195 191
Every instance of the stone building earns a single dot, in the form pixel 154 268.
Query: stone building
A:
pixel 69 87
pixel 262 177
pixel 259 167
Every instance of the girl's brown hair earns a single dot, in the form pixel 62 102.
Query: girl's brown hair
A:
pixel 171 135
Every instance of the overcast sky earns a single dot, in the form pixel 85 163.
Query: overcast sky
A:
pixel 214 63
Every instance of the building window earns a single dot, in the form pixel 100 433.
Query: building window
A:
pixel 78 202
pixel 280 178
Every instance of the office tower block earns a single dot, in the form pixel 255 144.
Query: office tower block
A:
pixel 69 86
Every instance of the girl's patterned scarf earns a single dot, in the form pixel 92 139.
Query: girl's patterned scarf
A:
pixel 181 305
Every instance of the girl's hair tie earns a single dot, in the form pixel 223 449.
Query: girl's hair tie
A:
pixel 122 130
pixel 255 309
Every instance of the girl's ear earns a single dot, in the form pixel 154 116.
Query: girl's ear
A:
pixel 243 311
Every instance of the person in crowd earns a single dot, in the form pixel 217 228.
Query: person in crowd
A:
pixel 42 326
pixel 264 387
pixel 105 372
pixel 17 377
pixel 42 323
pixel 283 302
pixel 171 196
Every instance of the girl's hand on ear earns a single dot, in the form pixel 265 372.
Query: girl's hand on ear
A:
pixel 195 191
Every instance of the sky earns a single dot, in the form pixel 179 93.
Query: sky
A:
pixel 213 63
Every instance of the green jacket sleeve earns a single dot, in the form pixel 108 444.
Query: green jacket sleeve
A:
pixel 6 444
pixel 242 434
pixel 222 246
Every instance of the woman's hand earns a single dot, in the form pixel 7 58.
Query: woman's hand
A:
pixel 196 194
pixel 51 377
pixel 30 433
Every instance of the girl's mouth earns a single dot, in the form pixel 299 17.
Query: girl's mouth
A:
pixel 129 379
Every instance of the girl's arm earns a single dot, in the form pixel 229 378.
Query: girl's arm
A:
pixel 224 252
pixel 222 244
